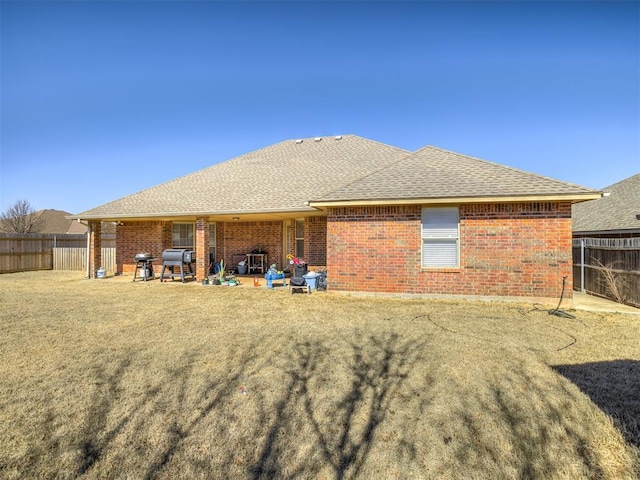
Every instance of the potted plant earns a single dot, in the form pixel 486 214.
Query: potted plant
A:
pixel 221 273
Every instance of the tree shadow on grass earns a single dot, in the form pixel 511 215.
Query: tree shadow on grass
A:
pixel 107 418
pixel 151 428
pixel 216 391
pixel 615 387
pixel 499 436
pixel 378 368
pixel 95 435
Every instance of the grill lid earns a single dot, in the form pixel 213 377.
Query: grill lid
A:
pixel 181 255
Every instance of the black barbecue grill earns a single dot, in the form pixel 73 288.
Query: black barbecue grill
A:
pixel 144 264
pixel 177 257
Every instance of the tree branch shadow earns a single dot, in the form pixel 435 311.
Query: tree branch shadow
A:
pixel 379 366
pixel 527 442
pixel 215 392
pixel 106 419
pixel 615 387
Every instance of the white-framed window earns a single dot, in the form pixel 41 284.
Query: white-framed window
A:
pixel 440 237
pixel 212 240
pixel 299 232
pixel 183 235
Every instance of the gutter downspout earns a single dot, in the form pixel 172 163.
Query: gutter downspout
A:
pixel 88 247
pixel 582 242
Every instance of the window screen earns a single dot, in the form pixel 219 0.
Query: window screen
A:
pixel 300 238
pixel 212 240
pixel 440 237
pixel 182 235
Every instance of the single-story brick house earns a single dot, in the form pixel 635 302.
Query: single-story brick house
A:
pixel 379 218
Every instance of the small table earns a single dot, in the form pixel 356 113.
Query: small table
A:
pixel 256 261
pixel 270 277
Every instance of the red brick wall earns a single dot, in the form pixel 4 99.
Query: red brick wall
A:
pixel 518 249
pixel 202 246
pixel 236 238
pixel 231 238
pixel 315 240
pixel 141 237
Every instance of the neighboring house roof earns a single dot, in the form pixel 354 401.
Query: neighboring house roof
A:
pixel 616 213
pixel 56 221
pixel 294 176
pixel 432 173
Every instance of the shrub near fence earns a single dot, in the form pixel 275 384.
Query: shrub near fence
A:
pixel 611 268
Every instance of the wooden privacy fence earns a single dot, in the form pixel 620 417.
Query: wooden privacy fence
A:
pixel 608 267
pixel 21 252
pixel 69 258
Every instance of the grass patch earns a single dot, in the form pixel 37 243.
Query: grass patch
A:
pixel 114 379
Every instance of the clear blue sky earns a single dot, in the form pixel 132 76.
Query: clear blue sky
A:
pixel 103 99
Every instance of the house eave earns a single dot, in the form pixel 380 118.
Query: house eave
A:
pixel 620 231
pixel 572 197
pixel 220 216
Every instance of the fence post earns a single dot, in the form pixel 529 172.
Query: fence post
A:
pixel 582 265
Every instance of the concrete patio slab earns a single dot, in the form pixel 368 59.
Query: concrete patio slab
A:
pixel 591 303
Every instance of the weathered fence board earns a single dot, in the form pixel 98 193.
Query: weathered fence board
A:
pixel 76 259
pixel 109 259
pixel 608 267
pixel 70 258
pixel 45 251
pixel 22 252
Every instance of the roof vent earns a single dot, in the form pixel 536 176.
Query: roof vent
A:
pixel 299 141
pixel 317 139
pixel 338 137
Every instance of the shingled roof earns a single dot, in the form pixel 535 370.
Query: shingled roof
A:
pixel 57 221
pixel 275 179
pixel 432 173
pixel 297 177
pixel 616 213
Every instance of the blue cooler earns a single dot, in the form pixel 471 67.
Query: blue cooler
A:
pixel 312 280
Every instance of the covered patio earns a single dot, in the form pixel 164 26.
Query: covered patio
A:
pixel 262 239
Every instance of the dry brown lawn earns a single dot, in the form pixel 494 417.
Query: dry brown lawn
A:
pixel 114 379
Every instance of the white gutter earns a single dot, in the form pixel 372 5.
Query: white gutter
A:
pixel 580 197
pixel 88 246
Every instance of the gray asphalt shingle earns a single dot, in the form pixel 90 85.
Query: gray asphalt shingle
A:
pixel 435 173
pixel 280 177
pixel 611 213
pixel 285 176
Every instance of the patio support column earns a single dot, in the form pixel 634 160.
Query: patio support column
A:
pixel 95 248
pixel 202 247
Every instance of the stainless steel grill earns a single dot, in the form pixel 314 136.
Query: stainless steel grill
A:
pixel 177 257
pixel 144 265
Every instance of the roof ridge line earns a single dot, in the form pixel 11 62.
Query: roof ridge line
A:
pixel 393 162
pixel 509 167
